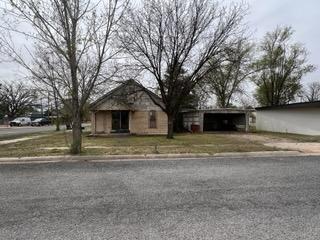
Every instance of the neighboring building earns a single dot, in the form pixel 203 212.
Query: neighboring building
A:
pixel 300 118
pixel 224 119
pixel 129 108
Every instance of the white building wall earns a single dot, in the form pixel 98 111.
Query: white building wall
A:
pixel 295 120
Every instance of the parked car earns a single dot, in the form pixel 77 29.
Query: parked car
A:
pixel 40 122
pixel 21 121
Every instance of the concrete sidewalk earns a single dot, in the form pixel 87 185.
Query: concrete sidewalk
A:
pixel 149 157
pixel 16 140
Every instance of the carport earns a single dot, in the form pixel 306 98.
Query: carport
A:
pixel 223 121
pixel 217 120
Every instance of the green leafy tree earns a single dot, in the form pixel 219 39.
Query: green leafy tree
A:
pixel 280 68
pixel 188 101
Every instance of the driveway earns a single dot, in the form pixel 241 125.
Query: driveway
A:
pixel 256 198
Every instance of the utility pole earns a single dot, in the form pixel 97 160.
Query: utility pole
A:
pixel 48 105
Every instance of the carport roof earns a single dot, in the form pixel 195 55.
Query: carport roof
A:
pixel 218 110
pixel 291 105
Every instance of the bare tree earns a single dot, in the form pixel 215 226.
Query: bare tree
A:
pixel 2 105
pixel 50 93
pixel 74 39
pixel 167 36
pixel 16 98
pixel 225 79
pixel 311 92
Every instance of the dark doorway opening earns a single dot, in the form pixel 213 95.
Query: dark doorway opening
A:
pixel 120 121
pixel 223 121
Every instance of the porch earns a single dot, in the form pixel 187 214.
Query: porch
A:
pixel 112 122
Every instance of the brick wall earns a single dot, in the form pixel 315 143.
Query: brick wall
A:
pixel 139 123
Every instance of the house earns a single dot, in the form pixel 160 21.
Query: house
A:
pixel 300 118
pixel 129 108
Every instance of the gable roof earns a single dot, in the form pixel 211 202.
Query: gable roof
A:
pixel 291 105
pixel 154 97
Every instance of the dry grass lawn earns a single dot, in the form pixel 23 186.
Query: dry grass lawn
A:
pixel 58 143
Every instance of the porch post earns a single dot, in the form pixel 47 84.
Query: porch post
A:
pixel 130 117
pixel 93 122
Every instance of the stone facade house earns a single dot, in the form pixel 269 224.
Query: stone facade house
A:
pixel 129 108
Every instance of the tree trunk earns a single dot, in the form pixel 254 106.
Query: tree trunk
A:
pixel 58 123
pixel 170 126
pixel 56 105
pixel 76 130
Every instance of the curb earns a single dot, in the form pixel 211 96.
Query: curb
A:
pixel 149 157
pixel 260 154
pixel 72 158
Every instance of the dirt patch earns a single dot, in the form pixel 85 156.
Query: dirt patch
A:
pixel 279 142
pixel 252 137
pixel 301 147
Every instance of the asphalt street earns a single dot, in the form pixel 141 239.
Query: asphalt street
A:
pixel 17 131
pixel 256 198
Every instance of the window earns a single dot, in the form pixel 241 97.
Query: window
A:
pixel 152 119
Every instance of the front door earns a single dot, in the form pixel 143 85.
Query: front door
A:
pixel 120 121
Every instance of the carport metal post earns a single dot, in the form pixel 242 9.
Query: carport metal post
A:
pixel 247 114
pixel 201 120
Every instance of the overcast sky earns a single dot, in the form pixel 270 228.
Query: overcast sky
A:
pixel 265 15
pixel 302 15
